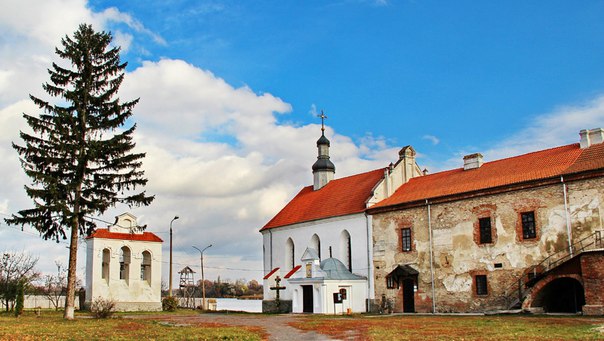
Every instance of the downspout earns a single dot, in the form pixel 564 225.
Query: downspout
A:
pixel 270 234
pixel 431 259
pixel 568 231
pixel 370 293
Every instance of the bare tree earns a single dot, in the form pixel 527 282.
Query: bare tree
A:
pixel 55 286
pixel 15 267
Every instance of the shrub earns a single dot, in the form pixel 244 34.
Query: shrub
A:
pixel 20 298
pixel 102 308
pixel 169 303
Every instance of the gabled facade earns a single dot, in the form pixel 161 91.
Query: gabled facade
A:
pixel 522 232
pixel 329 218
pixel 123 264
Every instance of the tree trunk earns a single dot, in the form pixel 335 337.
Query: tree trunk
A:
pixel 71 271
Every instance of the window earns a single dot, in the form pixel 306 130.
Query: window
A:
pixel 346 249
pixel 124 262
pixel 484 224
pixel 481 285
pixel 528 225
pixel 315 243
pixel 105 264
pixel 146 267
pixel 289 253
pixel 406 239
pixel 391 283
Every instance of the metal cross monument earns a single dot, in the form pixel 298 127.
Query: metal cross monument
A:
pixel 277 288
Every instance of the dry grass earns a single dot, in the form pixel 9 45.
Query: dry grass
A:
pixel 52 326
pixel 457 327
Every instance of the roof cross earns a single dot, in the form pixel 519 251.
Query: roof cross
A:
pixel 323 117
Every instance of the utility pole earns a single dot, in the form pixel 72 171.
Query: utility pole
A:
pixel 170 290
pixel 203 281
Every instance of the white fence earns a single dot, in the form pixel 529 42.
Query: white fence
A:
pixel 34 301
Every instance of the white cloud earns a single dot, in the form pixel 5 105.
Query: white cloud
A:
pixel 559 127
pixel 432 139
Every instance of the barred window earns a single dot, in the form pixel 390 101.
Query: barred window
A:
pixel 481 285
pixel 528 225
pixel 406 239
pixel 484 225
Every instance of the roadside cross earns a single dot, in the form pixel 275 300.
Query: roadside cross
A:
pixel 277 288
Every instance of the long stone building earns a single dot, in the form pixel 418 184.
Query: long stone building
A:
pixel 522 232
pixel 518 232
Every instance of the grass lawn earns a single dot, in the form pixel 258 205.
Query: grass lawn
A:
pixel 418 327
pixel 51 326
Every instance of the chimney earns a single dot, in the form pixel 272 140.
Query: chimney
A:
pixel 425 171
pixel 472 161
pixel 589 137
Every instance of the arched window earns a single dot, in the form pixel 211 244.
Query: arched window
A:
pixel 346 249
pixel 146 267
pixel 105 264
pixel 124 262
pixel 315 243
pixel 289 253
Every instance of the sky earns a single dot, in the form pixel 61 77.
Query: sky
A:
pixel 230 90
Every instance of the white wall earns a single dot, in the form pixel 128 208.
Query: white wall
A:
pixel 329 232
pixel 139 294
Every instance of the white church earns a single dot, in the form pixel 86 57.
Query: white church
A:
pixel 317 250
pixel 123 264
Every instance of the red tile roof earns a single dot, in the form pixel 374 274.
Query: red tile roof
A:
pixel 339 197
pixel 270 273
pixel 292 271
pixel 144 237
pixel 544 164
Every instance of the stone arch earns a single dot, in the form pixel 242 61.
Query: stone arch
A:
pixel 125 258
pixel 557 293
pixel 146 266
pixel 315 243
pixel 290 252
pixel 105 264
pixel 346 249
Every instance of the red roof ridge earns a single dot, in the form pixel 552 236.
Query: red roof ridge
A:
pixel 105 234
pixel 535 165
pixel 293 271
pixel 270 273
pixel 340 197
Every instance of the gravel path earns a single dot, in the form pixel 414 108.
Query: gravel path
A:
pixel 276 326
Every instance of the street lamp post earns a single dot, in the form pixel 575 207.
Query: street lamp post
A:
pixel 170 290
pixel 203 282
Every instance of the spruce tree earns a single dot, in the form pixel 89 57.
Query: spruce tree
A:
pixel 80 157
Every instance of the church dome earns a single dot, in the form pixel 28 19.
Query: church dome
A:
pixel 323 164
pixel 323 140
pixel 335 269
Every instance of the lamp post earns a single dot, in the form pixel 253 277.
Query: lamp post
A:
pixel 203 282
pixel 170 290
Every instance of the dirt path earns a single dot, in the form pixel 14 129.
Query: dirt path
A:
pixel 276 326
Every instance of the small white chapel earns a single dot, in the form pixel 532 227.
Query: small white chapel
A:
pixel 123 264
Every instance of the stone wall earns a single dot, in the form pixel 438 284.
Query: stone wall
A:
pixel 458 256
pixel 285 306
pixel 592 265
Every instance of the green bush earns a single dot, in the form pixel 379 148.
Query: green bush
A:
pixel 169 303
pixel 20 298
pixel 102 308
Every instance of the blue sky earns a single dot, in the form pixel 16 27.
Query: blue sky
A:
pixel 229 91
pixel 397 69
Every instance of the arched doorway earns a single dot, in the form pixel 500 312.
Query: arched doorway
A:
pixel 561 295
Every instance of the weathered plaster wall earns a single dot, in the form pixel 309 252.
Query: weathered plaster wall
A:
pixel 458 256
